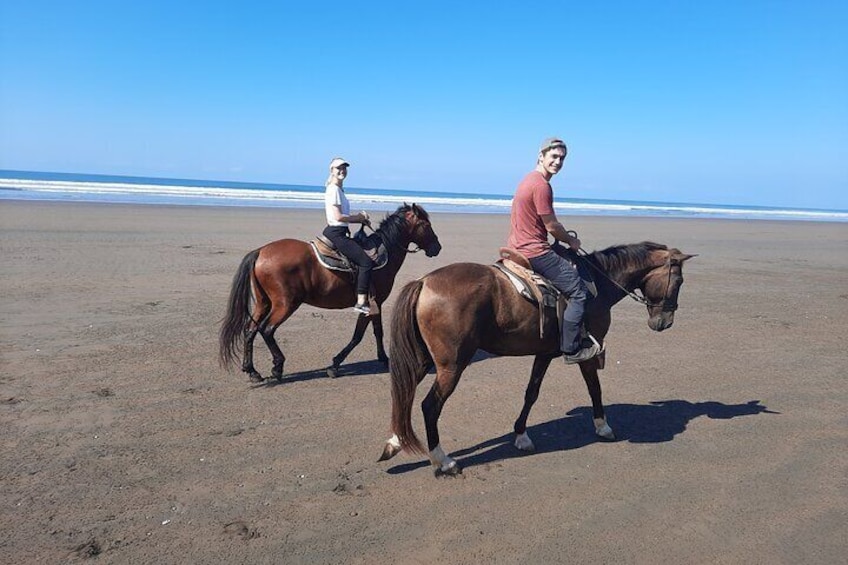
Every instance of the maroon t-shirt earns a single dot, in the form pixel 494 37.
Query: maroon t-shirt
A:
pixel 533 198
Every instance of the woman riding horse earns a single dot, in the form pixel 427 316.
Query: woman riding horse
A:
pixel 337 208
pixel 280 276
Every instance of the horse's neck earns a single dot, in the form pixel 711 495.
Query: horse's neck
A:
pixel 625 280
pixel 397 254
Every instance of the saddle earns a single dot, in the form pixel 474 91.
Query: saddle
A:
pixel 539 290
pixel 329 256
pixel 373 245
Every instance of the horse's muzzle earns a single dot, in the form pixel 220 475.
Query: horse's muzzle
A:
pixel 433 249
pixel 661 322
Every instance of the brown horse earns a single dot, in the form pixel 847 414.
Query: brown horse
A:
pixel 280 276
pixel 443 318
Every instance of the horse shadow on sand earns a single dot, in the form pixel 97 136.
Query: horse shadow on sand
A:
pixel 359 369
pixel 656 422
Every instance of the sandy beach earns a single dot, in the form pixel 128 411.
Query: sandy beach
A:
pixel 124 442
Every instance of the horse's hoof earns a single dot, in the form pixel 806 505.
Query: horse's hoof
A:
pixel 332 371
pixel 605 432
pixel 389 451
pixel 453 471
pixel 602 429
pixel 524 443
pixel 255 377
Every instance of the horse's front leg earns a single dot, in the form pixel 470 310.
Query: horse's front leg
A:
pixel 589 369
pixel 378 336
pixel 540 367
pixel 361 324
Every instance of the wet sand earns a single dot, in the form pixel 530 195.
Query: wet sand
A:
pixel 124 440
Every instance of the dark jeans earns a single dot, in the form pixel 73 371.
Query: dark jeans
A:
pixel 565 278
pixel 349 248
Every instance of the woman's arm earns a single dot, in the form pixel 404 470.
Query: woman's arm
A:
pixel 358 218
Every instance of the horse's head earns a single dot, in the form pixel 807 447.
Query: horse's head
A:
pixel 420 231
pixel 661 286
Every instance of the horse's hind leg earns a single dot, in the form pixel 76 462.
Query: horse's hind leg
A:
pixel 280 312
pixel 247 358
pixel 249 336
pixel 447 377
pixel 276 353
pixel 540 367
pixel 359 331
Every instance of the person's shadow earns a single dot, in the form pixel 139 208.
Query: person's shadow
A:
pixel 656 422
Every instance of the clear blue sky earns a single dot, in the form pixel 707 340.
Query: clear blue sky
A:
pixel 742 102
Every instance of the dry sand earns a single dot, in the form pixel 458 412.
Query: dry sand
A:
pixel 123 441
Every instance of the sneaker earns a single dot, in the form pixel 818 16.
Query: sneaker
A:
pixel 581 355
pixel 362 309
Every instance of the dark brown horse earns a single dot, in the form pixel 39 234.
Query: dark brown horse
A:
pixel 280 276
pixel 443 318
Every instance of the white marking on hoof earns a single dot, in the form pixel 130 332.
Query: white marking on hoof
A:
pixel 524 443
pixel 391 448
pixel 602 429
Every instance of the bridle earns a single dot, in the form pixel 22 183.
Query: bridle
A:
pixel 394 243
pixel 667 304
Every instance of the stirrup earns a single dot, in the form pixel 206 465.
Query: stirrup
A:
pixel 362 309
pixel 595 341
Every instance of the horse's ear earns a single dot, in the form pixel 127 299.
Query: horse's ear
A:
pixel 683 256
pixel 416 209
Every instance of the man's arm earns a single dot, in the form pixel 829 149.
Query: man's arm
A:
pixel 556 229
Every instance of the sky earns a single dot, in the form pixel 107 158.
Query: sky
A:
pixel 718 102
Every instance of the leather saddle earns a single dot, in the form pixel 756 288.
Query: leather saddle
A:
pixel 539 290
pixel 329 256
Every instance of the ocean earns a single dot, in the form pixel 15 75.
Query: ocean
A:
pixel 68 187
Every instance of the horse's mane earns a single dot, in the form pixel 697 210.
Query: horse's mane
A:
pixel 392 227
pixel 620 258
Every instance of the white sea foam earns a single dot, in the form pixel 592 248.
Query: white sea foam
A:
pixel 234 194
pixel 176 193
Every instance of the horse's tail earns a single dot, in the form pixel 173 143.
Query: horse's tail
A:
pixel 237 319
pixel 409 362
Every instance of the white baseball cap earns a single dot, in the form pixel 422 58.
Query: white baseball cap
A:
pixel 338 162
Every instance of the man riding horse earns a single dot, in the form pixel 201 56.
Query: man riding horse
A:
pixel 531 220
